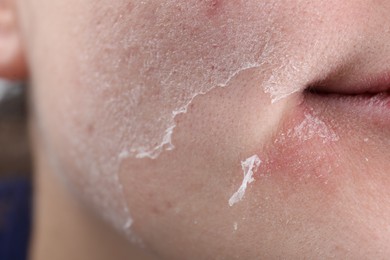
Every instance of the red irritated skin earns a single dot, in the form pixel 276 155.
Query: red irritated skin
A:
pixel 327 112
pixel 318 135
pixel 334 117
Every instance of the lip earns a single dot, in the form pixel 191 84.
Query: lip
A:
pixel 355 85
pixel 366 101
pixel 365 97
pixel 368 110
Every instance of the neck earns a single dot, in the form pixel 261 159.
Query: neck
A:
pixel 64 228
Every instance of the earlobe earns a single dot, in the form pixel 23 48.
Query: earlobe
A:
pixel 12 59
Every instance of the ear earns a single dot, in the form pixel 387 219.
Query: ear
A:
pixel 12 59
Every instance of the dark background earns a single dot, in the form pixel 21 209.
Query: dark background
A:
pixel 14 145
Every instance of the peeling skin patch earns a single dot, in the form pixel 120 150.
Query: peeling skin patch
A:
pixel 249 167
pixel 280 89
pixel 159 71
pixel 166 143
pixel 312 126
pixel 137 71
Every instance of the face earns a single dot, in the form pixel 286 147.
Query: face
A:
pixel 241 127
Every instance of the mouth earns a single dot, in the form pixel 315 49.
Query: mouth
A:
pixel 354 85
pixel 365 99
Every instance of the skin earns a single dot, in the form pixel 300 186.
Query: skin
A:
pixel 322 188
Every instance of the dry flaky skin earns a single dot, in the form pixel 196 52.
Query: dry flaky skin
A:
pixel 154 50
pixel 174 51
pixel 147 60
pixel 131 69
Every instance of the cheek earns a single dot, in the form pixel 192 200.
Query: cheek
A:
pixel 143 63
pixel 161 56
pixel 131 70
pixel 152 59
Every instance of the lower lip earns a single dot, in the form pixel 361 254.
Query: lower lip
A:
pixel 370 107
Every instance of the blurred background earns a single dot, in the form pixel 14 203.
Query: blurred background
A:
pixel 14 146
pixel 15 173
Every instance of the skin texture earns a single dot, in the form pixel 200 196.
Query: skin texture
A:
pixel 322 188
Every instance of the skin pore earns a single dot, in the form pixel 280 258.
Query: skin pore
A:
pixel 109 78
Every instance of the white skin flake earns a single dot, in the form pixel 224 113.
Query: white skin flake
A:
pixel 249 167
pixel 235 226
